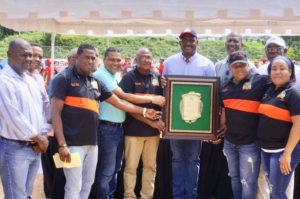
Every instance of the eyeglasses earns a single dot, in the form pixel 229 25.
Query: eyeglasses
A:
pixel 274 49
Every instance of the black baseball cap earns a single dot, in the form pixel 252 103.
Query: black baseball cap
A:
pixel 237 57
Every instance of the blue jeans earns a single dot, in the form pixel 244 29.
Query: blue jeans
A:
pixel 19 166
pixel 111 147
pixel 185 168
pixel 278 182
pixel 243 165
pixel 80 179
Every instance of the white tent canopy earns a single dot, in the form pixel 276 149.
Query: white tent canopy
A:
pixel 152 17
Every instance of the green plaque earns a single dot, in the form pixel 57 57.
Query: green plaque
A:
pixel 191 111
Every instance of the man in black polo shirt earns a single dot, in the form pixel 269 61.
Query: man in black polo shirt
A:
pixel 75 109
pixel 141 137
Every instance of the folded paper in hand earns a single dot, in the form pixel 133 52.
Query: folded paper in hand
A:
pixel 75 161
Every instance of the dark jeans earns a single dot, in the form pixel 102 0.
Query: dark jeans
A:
pixel 185 168
pixel 278 182
pixel 111 147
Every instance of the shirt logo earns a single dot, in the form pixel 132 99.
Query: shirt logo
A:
pixel 155 82
pixel 281 95
pixel 224 90
pixel 75 84
pixel 137 83
pixel 94 84
pixel 247 86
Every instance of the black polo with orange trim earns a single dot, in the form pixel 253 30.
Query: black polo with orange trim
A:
pixel 241 103
pixel 276 109
pixel 81 95
pixel 139 84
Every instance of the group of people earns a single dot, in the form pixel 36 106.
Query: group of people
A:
pixel 106 118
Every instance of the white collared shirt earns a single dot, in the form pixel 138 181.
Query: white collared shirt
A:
pixel 21 112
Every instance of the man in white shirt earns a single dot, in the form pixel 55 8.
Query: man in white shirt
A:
pixel 22 123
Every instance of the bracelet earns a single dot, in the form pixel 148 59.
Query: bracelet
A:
pixel 62 146
pixel 144 112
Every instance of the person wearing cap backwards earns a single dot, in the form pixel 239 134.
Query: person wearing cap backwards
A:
pixel 274 46
pixel 279 127
pixel 241 96
pixel 186 153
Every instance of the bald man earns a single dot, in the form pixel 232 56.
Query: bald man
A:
pixel 22 122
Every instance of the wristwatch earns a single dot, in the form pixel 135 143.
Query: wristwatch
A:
pixel 63 145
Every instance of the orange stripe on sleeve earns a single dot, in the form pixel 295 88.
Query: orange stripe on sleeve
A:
pixel 275 112
pixel 84 103
pixel 242 105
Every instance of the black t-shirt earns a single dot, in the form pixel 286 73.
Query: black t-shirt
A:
pixel 139 84
pixel 276 110
pixel 81 95
pixel 241 102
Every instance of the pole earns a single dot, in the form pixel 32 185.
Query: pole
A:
pixel 52 53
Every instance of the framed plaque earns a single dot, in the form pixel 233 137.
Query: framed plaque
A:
pixel 192 107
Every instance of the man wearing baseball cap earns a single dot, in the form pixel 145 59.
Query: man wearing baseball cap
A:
pixel 274 46
pixel 185 153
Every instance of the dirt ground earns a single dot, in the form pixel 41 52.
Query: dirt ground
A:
pixel 38 192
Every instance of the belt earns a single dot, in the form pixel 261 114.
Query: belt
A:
pixel 115 124
pixel 22 142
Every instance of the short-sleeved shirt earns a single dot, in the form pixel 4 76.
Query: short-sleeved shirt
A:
pixel 109 112
pixel 136 83
pixel 81 95
pixel 276 109
pixel 198 65
pixel 241 102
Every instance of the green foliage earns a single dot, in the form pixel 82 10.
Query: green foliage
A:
pixel 4 32
pixel 212 48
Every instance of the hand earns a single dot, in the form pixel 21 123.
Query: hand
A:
pixel 41 143
pixel 153 114
pixel 216 141
pixel 64 154
pixel 285 163
pixel 163 81
pixel 159 100
pixel 221 131
pixel 158 124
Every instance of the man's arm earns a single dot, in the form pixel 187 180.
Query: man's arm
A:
pixel 157 124
pixel 57 107
pixel 137 99
pixel 130 108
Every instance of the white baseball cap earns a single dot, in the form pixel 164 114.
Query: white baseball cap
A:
pixel 275 40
